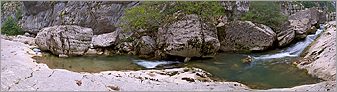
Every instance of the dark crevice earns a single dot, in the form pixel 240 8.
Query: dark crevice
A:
pixel 31 75
pixel 51 74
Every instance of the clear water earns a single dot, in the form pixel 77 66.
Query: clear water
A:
pixel 91 64
pixel 272 69
pixel 260 74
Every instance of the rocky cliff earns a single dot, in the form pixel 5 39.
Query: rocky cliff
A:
pixel 101 16
pixel 320 58
pixel 299 25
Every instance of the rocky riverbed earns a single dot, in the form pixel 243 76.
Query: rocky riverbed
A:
pixel 320 61
pixel 19 72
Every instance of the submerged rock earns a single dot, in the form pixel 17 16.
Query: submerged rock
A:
pixel 188 37
pixel 64 39
pixel 247 60
pixel 245 36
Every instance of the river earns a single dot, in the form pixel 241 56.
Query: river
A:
pixel 272 69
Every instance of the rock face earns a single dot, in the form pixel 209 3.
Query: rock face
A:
pixel 285 35
pixel 105 40
pixel 245 36
pixel 299 25
pixel 302 21
pixel 318 87
pixel 101 16
pixel 236 8
pixel 146 45
pixel 65 39
pixel 188 37
pixel 125 47
pixel 320 58
pixel 12 9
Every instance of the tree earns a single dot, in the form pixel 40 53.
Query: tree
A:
pixel 10 27
pixel 151 15
pixel 264 12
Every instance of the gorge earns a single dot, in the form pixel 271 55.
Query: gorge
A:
pixel 86 46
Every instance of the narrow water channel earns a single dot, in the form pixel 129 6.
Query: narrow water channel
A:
pixel 268 70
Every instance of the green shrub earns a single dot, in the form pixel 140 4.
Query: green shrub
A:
pixel 327 4
pixel 205 9
pixel 265 12
pixel 10 27
pixel 18 13
pixel 144 16
pixel 151 15
pixel 308 4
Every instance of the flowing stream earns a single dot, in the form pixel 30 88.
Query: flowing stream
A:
pixel 271 70
pixel 294 50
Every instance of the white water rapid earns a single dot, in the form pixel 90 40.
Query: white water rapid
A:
pixel 294 50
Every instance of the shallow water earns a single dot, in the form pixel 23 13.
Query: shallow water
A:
pixel 260 74
pixel 91 64
pixel 273 69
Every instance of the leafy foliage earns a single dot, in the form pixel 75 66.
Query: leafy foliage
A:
pixel 205 9
pixel 309 4
pixel 151 15
pixel 10 27
pixel 2 4
pixel 18 13
pixel 264 12
pixel 144 16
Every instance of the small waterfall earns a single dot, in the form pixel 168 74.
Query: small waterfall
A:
pixel 294 50
pixel 153 64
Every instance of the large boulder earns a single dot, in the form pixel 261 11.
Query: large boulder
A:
pixel 188 37
pixel 101 16
pixel 285 34
pixel 105 40
pixel 146 45
pixel 298 26
pixel 245 36
pixel 285 37
pixel 301 22
pixel 313 14
pixel 64 39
